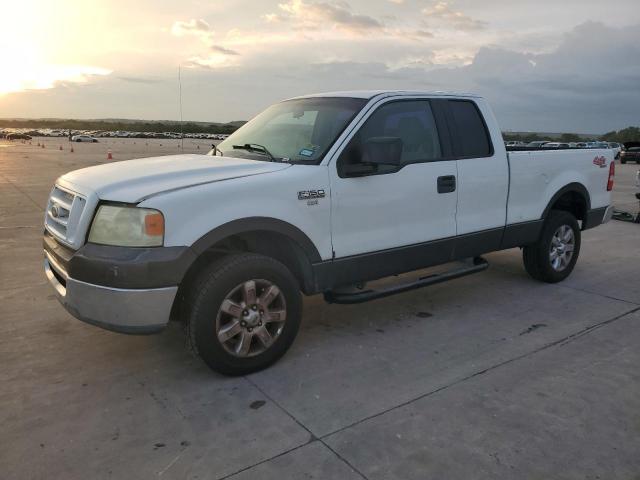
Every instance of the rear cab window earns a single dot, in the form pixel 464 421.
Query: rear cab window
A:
pixel 469 133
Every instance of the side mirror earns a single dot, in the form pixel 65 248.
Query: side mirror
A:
pixel 382 151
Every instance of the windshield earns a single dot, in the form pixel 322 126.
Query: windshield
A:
pixel 298 131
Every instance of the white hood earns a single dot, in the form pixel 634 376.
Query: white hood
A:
pixel 132 181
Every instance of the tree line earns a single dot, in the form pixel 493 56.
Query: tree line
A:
pixel 629 134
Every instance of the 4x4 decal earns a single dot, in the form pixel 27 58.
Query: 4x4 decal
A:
pixel 600 161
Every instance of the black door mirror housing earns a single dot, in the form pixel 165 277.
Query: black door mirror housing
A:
pixel 382 151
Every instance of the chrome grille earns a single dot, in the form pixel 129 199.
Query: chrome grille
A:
pixel 64 210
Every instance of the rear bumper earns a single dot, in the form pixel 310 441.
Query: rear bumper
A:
pixel 133 311
pixel 597 216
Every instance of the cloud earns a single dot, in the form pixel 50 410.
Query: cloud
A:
pixel 422 34
pixel 555 91
pixel 216 56
pixel 299 20
pixel 143 80
pixel 316 15
pixel 456 19
pixel 222 50
pixel 560 90
pixel 194 26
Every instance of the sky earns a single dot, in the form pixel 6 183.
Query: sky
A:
pixel 545 65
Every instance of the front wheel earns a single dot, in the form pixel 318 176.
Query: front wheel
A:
pixel 552 258
pixel 243 313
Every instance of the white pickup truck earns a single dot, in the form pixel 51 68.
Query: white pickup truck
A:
pixel 317 194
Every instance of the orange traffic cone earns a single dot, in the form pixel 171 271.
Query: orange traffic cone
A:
pixel 109 156
pixel 60 147
pixel 43 145
pixel 71 149
pixel 38 143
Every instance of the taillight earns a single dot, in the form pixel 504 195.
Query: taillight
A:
pixel 612 172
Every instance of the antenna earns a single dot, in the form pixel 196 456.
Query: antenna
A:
pixel 180 98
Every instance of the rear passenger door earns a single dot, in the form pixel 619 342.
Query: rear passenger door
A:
pixel 483 175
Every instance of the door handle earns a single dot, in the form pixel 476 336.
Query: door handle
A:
pixel 447 184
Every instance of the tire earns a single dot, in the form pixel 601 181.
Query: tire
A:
pixel 554 239
pixel 215 305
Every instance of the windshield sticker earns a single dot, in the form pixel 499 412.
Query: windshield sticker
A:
pixel 306 152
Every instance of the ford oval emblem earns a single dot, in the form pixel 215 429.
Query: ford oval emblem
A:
pixel 55 212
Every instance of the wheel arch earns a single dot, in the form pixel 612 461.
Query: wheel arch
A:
pixel 267 236
pixel 573 197
pixel 253 224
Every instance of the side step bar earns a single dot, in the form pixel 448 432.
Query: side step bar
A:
pixel 479 264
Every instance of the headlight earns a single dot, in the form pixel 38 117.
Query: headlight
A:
pixel 127 227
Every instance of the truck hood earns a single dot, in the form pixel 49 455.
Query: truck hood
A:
pixel 132 181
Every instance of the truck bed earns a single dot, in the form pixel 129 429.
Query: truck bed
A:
pixel 536 175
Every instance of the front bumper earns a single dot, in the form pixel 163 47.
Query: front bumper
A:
pixel 124 310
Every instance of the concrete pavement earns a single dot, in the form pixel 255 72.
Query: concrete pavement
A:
pixel 489 376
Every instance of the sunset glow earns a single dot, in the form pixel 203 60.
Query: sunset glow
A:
pixel 115 58
pixel 28 73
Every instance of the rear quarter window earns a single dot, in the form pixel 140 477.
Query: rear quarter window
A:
pixel 470 135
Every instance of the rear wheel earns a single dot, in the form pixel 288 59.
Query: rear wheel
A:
pixel 552 258
pixel 243 313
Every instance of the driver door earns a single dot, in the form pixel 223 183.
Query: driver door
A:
pixel 395 216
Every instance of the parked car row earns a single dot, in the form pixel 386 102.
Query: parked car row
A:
pixel 162 135
pixel 616 147
pixel 93 135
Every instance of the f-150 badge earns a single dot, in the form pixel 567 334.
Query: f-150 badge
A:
pixel 310 194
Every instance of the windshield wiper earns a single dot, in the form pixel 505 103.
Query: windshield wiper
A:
pixel 256 147
pixel 215 150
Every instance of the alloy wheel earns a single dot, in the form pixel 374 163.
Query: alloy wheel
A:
pixel 251 318
pixel 562 247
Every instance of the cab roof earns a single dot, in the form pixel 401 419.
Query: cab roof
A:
pixel 369 94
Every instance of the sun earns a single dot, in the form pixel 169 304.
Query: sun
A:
pixel 32 42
